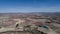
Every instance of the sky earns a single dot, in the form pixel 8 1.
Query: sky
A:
pixel 26 6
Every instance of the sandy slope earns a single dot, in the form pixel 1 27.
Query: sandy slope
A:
pixel 52 32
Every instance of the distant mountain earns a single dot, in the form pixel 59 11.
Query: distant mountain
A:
pixel 43 13
pixel 47 13
pixel 57 13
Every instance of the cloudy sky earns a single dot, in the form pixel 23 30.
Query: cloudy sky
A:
pixel 25 6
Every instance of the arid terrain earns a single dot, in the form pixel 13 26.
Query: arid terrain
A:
pixel 29 23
